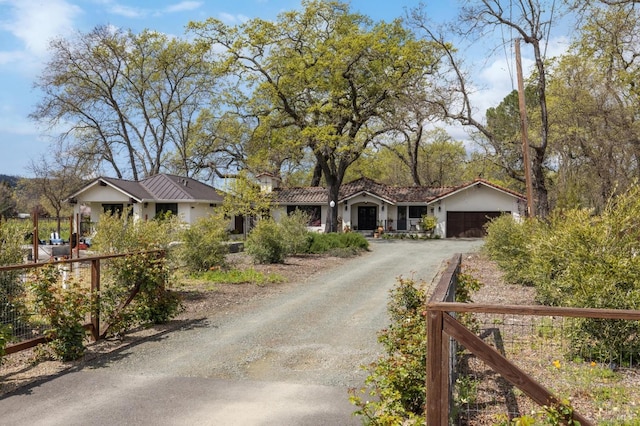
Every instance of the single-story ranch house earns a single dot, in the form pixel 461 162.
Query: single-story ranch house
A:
pixel 186 198
pixel 364 204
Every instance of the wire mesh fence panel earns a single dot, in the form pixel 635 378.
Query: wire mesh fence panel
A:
pixel 592 365
pixel 17 298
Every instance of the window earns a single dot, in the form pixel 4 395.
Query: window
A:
pixel 312 211
pixel 113 209
pixel 417 211
pixel 164 208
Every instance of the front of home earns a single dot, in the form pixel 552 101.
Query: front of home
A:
pixel 364 205
pixel 185 198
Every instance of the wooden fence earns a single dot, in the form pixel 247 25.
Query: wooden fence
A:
pixel 444 330
pixel 95 263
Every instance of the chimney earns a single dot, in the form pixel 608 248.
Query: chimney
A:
pixel 268 182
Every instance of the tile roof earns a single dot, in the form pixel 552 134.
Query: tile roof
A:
pixel 391 194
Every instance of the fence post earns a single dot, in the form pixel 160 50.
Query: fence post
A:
pixel 437 370
pixel 95 298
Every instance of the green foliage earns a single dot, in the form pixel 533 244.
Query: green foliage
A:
pixel 326 62
pixel 579 259
pixel 428 223
pixel 122 234
pixel 293 229
pixel 149 271
pixel 203 245
pixel 243 197
pixel 12 309
pixel 336 243
pixel 5 337
pixel 265 244
pixel 560 414
pixel 396 383
pixel 63 309
pixel 508 243
pixel 271 242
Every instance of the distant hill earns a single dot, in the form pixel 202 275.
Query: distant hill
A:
pixel 12 180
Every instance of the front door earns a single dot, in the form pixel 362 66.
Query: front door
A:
pixel 402 218
pixel 367 218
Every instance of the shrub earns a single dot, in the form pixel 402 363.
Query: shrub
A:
pixel 428 223
pixel 149 271
pixel 5 337
pixel 510 243
pixel 293 229
pixel 579 259
pixel 12 309
pixel 203 245
pixel 63 309
pixel 265 243
pixel 334 243
pixel 122 234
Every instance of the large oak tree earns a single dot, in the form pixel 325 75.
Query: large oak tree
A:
pixel 326 72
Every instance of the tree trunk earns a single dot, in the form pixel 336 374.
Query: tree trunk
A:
pixel 317 175
pixel 541 197
pixel 333 190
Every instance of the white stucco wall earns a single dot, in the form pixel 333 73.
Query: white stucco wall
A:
pixel 480 198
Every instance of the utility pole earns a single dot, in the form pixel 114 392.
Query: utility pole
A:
pixel 524 131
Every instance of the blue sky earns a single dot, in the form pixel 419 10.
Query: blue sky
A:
pixel 26 26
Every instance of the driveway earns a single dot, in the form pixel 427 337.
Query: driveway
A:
pixel 289 360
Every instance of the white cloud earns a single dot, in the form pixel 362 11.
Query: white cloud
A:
pixel 8 57
pixel 184 6
pixel 126 11
pixel 233 19
pixel 35 22
pixel 498 78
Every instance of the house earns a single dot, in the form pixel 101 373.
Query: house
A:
pixel 186 198
pixel 364 204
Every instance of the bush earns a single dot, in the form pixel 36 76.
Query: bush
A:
pixel 203 245
pixel 293 229
pixel 336 243
pixel 12 291
pixel 265 243
pixel 149 271
pixel 271 242
pixel 428 223
pixel 510 243
pixel 64 311
pixel 5 337
pixel 579 259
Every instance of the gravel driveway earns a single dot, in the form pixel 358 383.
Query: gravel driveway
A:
pixel 288 359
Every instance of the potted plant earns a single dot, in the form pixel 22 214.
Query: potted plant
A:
pixel 428 223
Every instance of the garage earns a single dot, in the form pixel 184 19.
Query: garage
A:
pixel 469 224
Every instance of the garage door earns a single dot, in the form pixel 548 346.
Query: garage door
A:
pixel 468 224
